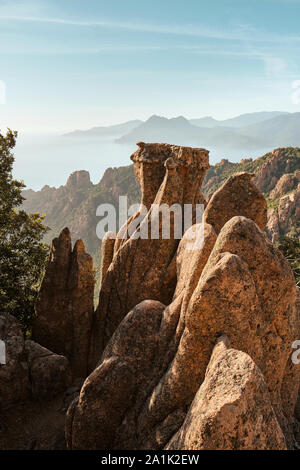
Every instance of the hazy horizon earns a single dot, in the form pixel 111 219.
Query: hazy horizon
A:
pixel 49 160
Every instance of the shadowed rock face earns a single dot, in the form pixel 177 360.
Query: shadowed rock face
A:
pixel 14 381
pixel 139 268
pixel 49 372
pixel 64 307
pixel 30 371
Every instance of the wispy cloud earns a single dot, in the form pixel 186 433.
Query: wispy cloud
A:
pixel 264 55
pixel 239 33
pixel 274 66
pixel 187 30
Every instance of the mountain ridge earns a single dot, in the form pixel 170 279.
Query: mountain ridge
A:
pixel 249 132
pixel 238 121
pixel 180 131
pixel 105 130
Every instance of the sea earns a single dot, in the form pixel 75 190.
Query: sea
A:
pixel 49 159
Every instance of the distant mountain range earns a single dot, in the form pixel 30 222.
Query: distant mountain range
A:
pixel 180 131
pixel 238 121
pixel 280 131
pixel 248 132
pixel 108 131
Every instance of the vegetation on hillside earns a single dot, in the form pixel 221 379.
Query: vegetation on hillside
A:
pixel 290 247
pixel 22 252
pixel 75 207
pixel 218 174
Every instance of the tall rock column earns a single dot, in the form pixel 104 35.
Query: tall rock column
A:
pixel 64 307
pixel 146 268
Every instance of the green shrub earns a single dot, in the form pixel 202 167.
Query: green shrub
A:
pixel 22 253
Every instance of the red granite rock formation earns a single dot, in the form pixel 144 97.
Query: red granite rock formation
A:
pixel 146 268
pixel 237 196
pixel 285 215
pixel 153 385
pixel 64 307
pixel 191 344
pixel 232 409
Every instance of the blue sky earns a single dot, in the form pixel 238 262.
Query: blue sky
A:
pixel 71 64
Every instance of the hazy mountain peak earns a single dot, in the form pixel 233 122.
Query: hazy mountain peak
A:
pixel 155 118
pixel 162 119
pixel 180 118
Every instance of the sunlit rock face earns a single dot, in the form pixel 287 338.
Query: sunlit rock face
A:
pixel 191 349
pixel 140 269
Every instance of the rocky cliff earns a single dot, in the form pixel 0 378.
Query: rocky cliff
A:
pixel 277 177
pixel 188 348
pixel 206 362
pixel 74 205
